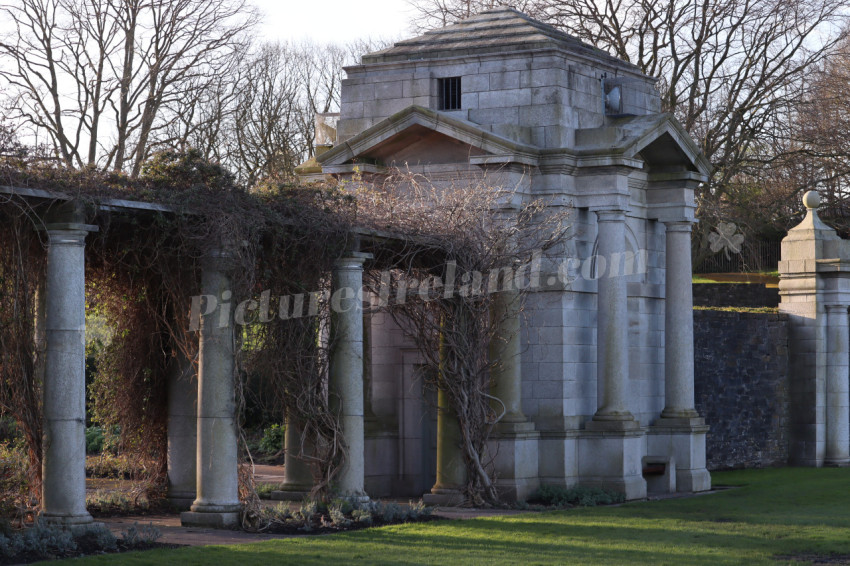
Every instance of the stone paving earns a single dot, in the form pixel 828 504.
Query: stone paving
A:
pixel 174 533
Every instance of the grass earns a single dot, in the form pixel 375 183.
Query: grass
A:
pixel 769 278
pixel 755 310
pixel 776 512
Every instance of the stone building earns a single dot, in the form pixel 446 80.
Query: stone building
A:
pixel 599 387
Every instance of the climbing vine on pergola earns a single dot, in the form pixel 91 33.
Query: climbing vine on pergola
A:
pixel 143 269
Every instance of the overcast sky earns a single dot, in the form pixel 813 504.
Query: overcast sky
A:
pixel 334 20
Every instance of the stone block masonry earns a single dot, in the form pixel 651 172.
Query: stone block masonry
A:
pixel 735 295
pixel 742 387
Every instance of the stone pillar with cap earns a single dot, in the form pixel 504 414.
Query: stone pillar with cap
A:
pixel 217 502
pixel 64 457
pixel 815 273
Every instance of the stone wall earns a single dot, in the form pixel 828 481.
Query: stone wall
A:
pixel 735 295
pixel 742 387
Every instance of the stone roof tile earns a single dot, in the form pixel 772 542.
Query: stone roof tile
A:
pixel 499 30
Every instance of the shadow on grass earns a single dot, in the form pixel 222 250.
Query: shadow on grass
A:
pixel 779 513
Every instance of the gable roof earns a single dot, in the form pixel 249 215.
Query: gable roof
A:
pixel 492 31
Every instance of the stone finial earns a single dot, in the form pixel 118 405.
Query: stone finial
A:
pixel 811 199
pixel 811 222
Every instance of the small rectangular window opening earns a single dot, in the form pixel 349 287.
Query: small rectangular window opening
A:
pixel 449 88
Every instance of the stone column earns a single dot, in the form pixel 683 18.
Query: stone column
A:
pixel 679 435
pixel 612 360
pixel 837 387
pixel 506 353
pixel 514 443
pixel 64 460
pixel 217 503
pixel 679 325
pixel 182 432
pixel 346 368
pixel 297 479
pixel 451 469
pixel 612 444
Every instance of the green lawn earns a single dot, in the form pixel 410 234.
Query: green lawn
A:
pixel 792 511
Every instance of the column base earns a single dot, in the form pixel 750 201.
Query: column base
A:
pixel 444 497
pixel 839 463
pixel 212 520
pixel 679 414
pixel 679 421
pixel 67 521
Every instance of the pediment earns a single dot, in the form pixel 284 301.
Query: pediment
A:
pixel 419 145
pixel 658 139
pixel 419 135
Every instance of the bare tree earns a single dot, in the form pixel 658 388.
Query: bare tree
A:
pixel 258 116
pixel 464 227
pixel 68 62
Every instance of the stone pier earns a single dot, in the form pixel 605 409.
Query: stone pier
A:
pixel 814 288
pixel 217 502
pixel 64 459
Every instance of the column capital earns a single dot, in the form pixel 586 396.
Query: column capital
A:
pixel 352 260
pixel 219 259
pixel 836 308
pixel 71 227
pixel 679 226
pixel 68 233
pixel 611 215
